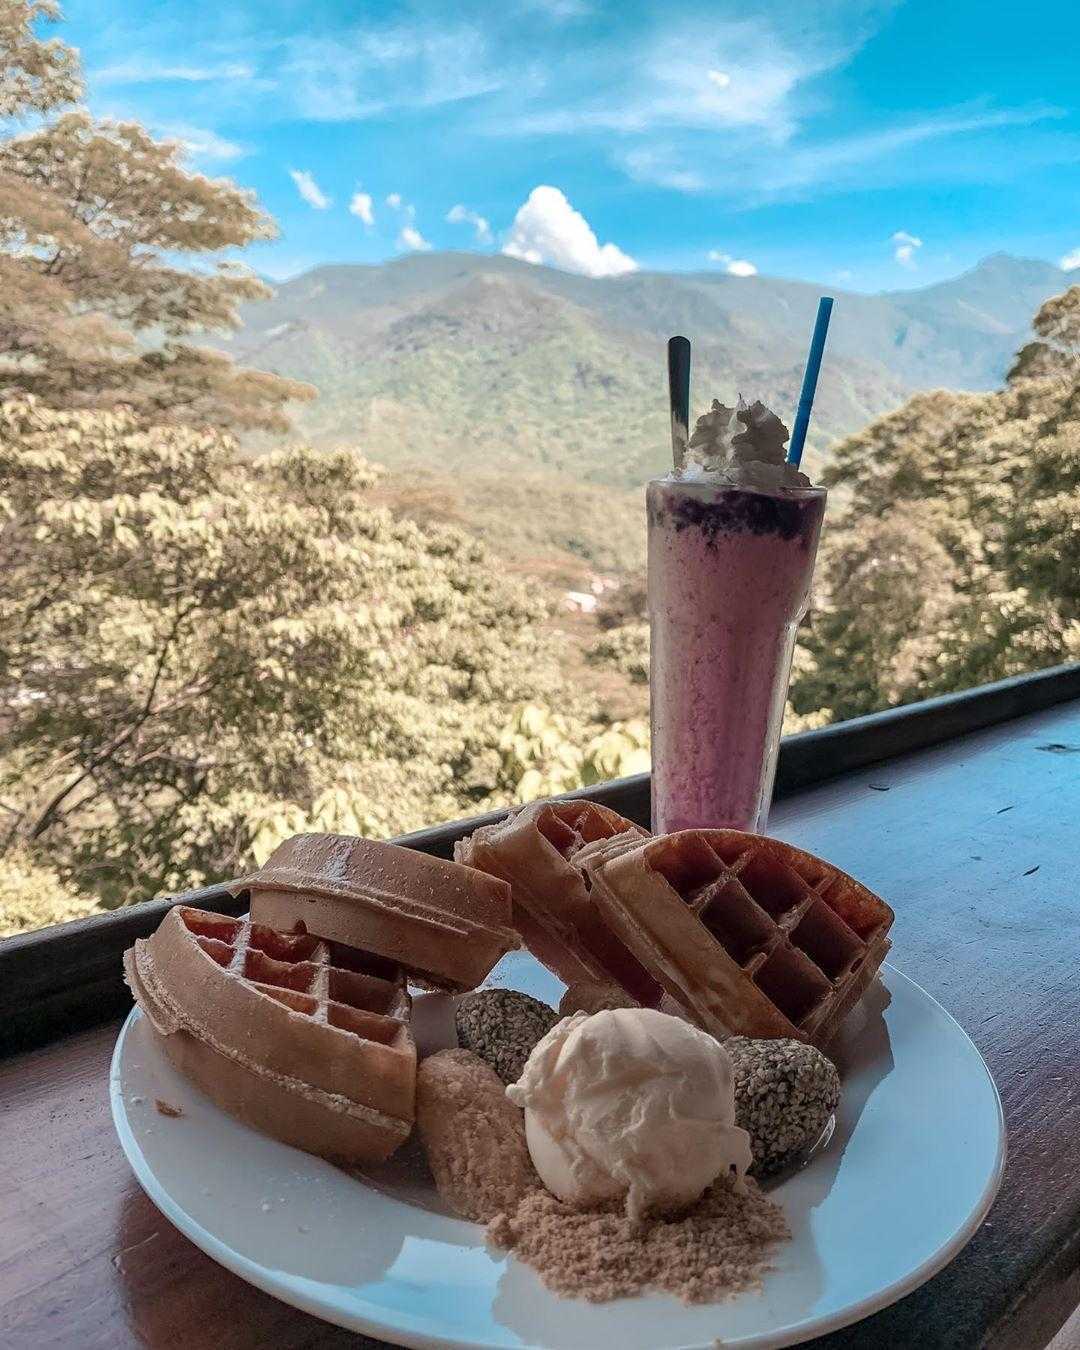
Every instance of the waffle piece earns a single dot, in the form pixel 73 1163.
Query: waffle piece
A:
pixel 749 935
pixel 445 924
pixel 539 849
pixel 295 1036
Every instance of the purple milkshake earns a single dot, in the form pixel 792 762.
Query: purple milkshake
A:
pixel 732 544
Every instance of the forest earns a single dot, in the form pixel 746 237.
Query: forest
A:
pixel 213 635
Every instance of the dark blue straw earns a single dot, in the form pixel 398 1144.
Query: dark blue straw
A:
pixel 810 379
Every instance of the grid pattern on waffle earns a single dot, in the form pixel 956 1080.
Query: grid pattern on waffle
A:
pixel 799 930
pixel 571 826
pixel 352 990
pixel 575 829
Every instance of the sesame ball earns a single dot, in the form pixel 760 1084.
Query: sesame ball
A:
pixel 502 1026
pixel 785 1092
pixel 589 997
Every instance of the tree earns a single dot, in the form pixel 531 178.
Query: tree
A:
pixel 953 560
pixel 37 76
pixel 94 311
pixel 33 896
pixel 624 648
pixel 546 752
pixel 1041 538
pixel 199 651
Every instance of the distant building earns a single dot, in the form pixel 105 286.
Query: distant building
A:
pixel 581 602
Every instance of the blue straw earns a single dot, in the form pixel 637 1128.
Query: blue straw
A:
pixel 809 384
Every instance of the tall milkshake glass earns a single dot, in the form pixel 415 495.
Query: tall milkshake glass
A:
pixel 730 570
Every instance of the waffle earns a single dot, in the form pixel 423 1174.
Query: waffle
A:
pixel 295 1036
pixel 445 924
pixel 539 849
pixel 748 935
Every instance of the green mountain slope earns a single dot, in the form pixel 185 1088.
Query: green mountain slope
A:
pixel 475 367
pixel 482 362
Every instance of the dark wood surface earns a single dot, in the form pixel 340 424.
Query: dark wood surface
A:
pixel 68 977
pixel 975 845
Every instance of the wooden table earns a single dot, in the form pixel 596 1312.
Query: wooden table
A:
pixel 975 844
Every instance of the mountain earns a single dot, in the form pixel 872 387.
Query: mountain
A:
pixel 473 367
pixel 976 322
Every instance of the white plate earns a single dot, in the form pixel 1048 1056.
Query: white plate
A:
pixel 907 1177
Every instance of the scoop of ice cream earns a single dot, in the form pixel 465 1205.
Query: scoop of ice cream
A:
pixel 744 445
pixel 630 1102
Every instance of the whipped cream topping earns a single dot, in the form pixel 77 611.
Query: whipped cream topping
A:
pixel 744 446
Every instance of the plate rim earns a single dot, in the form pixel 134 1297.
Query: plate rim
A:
pixel 408 1331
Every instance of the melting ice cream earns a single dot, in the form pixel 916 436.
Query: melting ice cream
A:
pixel 630 1102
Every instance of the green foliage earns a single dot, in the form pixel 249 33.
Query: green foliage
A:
pixel 94 308
pixel 542 523
pixel 954 560
pixel 193 645
pixel 626 649
pixel 616 752
pixel 545 752
pixel 802 667
pixel 628 603
pixel 203 653
pixel 37 75
pixel 33 896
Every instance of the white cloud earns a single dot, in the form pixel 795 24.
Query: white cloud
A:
pixel 749 118
pixel 753 75
pixel 547 229
pixel 363 207
pixel 662 168
pixel 149 71
pixel 309 190
pixel 734 267
pixel 906 244
pixel 560 11
pixel 410 237
pixel 369 70
pixel 200 142
pixel 461 215
pixel 847 156
pixel 931 149
pixel 1071 261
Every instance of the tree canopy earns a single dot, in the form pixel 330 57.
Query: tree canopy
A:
pixel 200 650
pixel 954 555
pixel 196 645
pixel 111 255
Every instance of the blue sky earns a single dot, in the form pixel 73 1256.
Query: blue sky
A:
pixel 862 144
